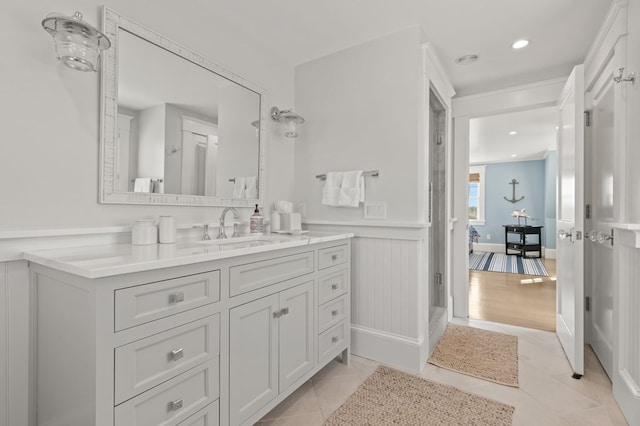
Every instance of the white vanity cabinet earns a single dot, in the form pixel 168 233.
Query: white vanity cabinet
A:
pixel 271 347
pixel 202 338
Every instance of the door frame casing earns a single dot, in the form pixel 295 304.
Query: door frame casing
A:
pixel 520 98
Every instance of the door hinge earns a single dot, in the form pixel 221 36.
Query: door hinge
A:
pixel 587 303
pixel 587 211
pixel 439 278
pixel 587 118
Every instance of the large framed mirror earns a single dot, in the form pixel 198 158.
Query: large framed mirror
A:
pixel 176 128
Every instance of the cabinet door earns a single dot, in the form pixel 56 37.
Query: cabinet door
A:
pixel 296 333
pixel 253 357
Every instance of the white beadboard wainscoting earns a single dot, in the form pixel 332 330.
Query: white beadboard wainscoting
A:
pixel 389 291
pixel 626 319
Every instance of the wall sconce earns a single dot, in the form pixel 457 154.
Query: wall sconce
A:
pixel 289 118
pixel 78 44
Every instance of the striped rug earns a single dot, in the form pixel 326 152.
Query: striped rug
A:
pixel 498 262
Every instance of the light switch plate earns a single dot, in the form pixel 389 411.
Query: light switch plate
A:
pixel 375 210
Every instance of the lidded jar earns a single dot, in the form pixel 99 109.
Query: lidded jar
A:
pixel 144 232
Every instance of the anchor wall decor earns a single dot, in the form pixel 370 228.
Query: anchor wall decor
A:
pixel 513 196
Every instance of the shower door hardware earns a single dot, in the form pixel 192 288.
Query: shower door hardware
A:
pixel 587 304
pixel 439 278
pixel 587 211
pixel 430 202
pixel 587 119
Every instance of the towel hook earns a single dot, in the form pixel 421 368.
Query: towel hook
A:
pixel 631 78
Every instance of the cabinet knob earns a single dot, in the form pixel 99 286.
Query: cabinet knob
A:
pixel 334 257
pixel 175 405
pixel 284 311
pixel 334 313
pixel 176 297
pixel 176 354
pixel 334 339
pixel 334 286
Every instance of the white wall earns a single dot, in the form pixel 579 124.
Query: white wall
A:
pixel 362 110
pixel 151 142
pixel 50 138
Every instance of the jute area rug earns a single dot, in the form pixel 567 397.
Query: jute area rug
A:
pixel 391 397
pixel 479 353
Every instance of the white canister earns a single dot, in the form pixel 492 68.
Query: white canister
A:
pixel 167 232
pixel 144 232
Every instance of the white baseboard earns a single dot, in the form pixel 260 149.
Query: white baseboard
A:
pixel 489 247
pixel 499 248
pixel 390 349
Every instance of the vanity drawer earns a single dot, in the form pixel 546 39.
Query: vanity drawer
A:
pixel 148 302
pixel 174 400
pixel 332 313
pixel 255 275
pixel 332 285
pixel 332 256
pixel 208 416
pixel 332 342
pixel 148 362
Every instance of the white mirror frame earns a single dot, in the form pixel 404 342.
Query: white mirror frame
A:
pixel 111 25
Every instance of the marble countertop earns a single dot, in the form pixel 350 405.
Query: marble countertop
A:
pixel 108 260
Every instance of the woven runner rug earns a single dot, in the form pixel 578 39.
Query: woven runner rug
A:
pixel 391 397
pixel 479 353
pixel 498 262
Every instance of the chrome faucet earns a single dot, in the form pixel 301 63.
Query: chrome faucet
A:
pixel 236 217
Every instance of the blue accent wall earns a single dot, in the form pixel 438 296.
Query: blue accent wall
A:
pixel 531 176
pixel 550 185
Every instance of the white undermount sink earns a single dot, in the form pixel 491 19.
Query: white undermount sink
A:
pixel 232 243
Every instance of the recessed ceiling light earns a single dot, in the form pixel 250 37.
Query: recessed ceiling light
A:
pixel 513 132
pixel 514 155
pixel 467 59
pixel 519 44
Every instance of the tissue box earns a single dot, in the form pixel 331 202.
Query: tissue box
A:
pixel 290 221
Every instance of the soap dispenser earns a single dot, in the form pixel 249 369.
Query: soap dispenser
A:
pixel 255 222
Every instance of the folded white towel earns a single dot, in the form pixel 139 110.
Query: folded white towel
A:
pixel 351 189
pixel 251 188
pixel 239 187
pixel 331 190
pixel 142 185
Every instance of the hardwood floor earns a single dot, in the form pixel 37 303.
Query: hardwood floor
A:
pixel 523 300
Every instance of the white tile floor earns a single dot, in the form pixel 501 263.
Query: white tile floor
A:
pixel 547 394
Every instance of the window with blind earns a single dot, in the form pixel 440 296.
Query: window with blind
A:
pixel 476 195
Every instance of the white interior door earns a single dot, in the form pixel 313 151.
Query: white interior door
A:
pixel 570 247
pixel 600 197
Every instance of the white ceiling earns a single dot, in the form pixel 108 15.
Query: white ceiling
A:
pixel 490 140
pixel 299 31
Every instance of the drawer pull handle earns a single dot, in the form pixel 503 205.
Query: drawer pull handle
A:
pixel 334 286
pixel 334 339
pixel 176 354
pixel 175 405
pixel 176 297
pixel 334 257
pixel 334 313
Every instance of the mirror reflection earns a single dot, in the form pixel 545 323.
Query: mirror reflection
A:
pixel 182 129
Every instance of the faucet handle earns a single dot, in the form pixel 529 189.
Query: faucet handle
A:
pixel 221 233
pixel 235 230
pixel 205 231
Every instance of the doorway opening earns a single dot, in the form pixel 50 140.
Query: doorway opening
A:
pixel 512 214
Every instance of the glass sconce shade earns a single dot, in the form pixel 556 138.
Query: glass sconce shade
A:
pixel 78 44
pixel 289 118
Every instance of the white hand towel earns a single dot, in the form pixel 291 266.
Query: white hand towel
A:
pixel 251 188
pixel 142 185
pixel 239 187
pixel 350 189
pixel 331 190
